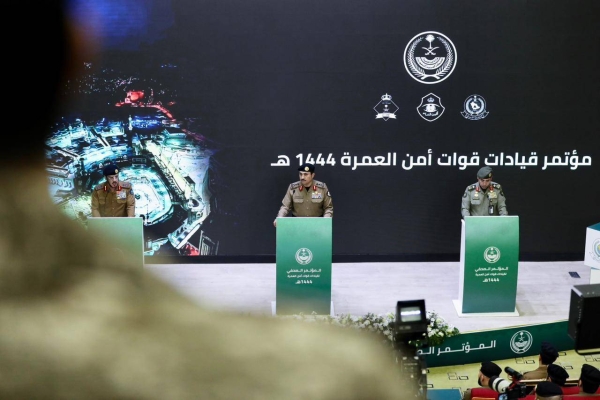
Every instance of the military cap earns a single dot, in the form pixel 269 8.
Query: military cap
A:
pixel 548 389
pixel 557 374
pixel 110 169
pixel 490 369
pixel 484 173
pixel 590 378
pixel 307 167
pixel 548 353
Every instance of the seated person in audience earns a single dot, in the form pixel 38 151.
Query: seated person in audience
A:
pixel 548 391
pixel 548 355
pixel 78 323
pixel 486 371
pixel 589 380
pixel 557 374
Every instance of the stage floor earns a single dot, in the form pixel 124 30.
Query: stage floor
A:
pixel 543 289
pixel 543 295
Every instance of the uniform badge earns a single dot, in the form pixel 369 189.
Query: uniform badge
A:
pixel 493 195
pixel 121 195
pixel 476 195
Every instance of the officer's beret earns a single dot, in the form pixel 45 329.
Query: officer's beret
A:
pixel 590 378
pixel 548 389
pixel 490 369
pixel 307 167
pixel 557 374
pixel 110 169
pixel 548 353
pixel 484 172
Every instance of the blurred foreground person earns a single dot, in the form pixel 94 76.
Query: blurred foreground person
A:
pixel 74 325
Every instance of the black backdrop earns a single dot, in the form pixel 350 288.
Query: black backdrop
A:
pixel 270 78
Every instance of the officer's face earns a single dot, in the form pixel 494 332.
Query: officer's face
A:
pixel 113 180
pixel 484 183
pixel 306 178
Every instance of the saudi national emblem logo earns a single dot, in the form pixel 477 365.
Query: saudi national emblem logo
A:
pixel 491 254
pixel 304 256
pixel 386 108
pixel 474 108
pixel 431 107
pixel 521 341
pixel 430 57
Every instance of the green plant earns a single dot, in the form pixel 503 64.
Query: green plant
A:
pixel 382 325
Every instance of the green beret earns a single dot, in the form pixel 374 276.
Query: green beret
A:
pixel 484 173
pixel 307 167
pixel 110 169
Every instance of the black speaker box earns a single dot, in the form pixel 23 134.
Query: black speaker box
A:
pixel 584 318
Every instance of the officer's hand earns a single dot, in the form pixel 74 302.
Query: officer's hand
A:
pixel 275 223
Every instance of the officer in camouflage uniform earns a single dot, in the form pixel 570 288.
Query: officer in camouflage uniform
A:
pixel 485 197
pixel 113 198
pixel 307 197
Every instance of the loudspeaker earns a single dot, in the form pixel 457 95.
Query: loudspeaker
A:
pixel 584 314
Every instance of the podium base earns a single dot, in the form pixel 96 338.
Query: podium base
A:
pixel 274 309
pixel 458 307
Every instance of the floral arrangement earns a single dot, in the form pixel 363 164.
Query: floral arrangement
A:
pixel 382 325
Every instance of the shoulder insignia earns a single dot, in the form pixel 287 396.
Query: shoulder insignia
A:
pixel 126 185
pixel 319 184
pixel 99 187
pixel 471 187
pixel 295 185
pixel 496 185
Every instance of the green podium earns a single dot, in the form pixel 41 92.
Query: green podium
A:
pixel 303 259
pixel 489 266
pixel 125 233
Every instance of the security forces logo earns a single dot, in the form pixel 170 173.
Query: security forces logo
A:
pixel 304 256
pixel 474 108
pixel 430 57
pixel 386 108
pixel 521 341
pixel 596 250
pixel 491 254
pixel 431 107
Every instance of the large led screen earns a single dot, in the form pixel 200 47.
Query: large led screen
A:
pixel 209 107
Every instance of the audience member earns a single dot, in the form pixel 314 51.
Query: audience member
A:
pixel 75 324
pixel 548 355
pixel 589 380
pixel 487 370
pixel 548 391
pixel 557 374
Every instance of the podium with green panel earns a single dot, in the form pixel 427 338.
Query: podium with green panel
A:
pixel 303 258
pixel 489 266
pixel 126 234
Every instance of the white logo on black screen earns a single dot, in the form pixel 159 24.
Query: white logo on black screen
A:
pixel 474 108
pixel 430 57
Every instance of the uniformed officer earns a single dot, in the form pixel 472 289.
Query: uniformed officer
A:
pixel 484 197
pixel 307 197
pixel 113 198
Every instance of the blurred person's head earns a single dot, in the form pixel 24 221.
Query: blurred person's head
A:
pixel 56 53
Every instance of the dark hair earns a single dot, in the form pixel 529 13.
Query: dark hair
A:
pixel 43 65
